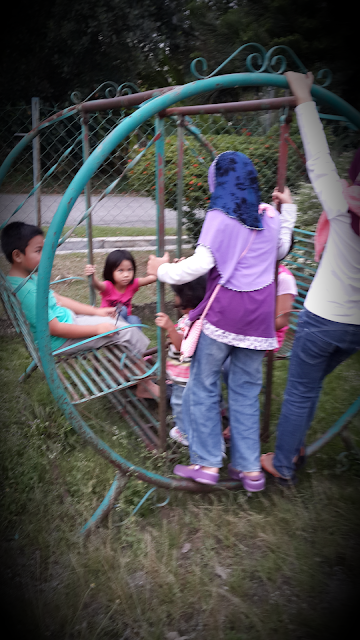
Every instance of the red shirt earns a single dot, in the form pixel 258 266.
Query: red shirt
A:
pixel 111 296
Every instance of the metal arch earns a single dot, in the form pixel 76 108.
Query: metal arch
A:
pixel 76 187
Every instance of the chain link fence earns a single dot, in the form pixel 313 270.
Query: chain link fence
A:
pixel 128 207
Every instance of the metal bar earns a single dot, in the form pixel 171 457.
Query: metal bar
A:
pixel 35 120
pixel 335 429
pixel 142 408
pixel 140 373
pixel 121 406
pixel 113 384
pixel 115 372
pixel 67 385
pixel 224 107
pixel 116 362
pixel 76 364
pixel 94 375
pixel 160 303
pixel 281 177
pixel 180 183
pixel 123 102
pixel 75 379
pixel 142 425
pixel 28 371
pixel 87 191
pixel 107 504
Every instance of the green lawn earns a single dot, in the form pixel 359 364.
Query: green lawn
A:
pixel 280 564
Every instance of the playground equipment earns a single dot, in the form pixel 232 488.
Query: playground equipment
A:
pixel 91 374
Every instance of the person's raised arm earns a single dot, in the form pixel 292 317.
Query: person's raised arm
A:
pixel 183 271
pixel 320 166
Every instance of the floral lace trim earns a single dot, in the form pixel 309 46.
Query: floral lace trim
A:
pixel 236 340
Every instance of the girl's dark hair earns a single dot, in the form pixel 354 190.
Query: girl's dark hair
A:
pixel 17 235
pixel 112 262
pixel 191 293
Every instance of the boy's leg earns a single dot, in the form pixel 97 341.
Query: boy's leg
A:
pixel 132 338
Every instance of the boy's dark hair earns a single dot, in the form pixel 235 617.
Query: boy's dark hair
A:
pixel 191 293
pixel 17 235
pixel 112 262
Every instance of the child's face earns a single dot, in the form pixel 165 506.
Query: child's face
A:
pixel 124 273
pixel 31 258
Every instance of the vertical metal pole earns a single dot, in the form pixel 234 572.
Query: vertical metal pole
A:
pixel 180 183
pixel 35 119
pixel 87 192
pixel 160 233
pixel 281 178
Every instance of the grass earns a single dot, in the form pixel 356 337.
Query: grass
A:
pixel 100 231
pixel 281 564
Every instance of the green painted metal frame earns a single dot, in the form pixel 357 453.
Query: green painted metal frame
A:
pixel 78 184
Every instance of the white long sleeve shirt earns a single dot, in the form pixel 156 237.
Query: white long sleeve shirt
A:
pixel 202 260
pixel 335 291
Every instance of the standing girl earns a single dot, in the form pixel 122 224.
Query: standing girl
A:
pixel 119 284
pixel 239 244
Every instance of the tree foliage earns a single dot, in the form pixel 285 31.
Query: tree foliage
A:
pixel 57 47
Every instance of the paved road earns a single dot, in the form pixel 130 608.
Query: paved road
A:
pixel 113 211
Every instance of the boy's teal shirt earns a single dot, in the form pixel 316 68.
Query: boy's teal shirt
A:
pixel 27 298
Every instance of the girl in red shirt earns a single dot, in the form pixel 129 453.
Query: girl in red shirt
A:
pixel 119 284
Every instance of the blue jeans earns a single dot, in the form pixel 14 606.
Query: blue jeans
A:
pixel 320 346
pixel 176 402
pixel 129 319
pixel 201 404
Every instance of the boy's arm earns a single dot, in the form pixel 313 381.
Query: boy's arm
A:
pixel 75 331
pixel 320 166
pixel 83 309
pixel 142 282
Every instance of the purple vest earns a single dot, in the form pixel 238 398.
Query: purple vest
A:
pixel 244 258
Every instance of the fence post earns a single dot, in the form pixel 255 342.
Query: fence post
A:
pixel 160 234
pixel 180 184
pixel 35 120
pixel 281 178
pixel 87 191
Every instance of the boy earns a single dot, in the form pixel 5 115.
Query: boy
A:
pixel 69 321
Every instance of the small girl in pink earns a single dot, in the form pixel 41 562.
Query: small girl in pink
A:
pixel 119 284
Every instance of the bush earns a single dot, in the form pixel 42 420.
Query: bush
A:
pixel 262 149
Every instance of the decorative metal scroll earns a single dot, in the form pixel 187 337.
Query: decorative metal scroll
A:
pixel 111 91
pixel 265 61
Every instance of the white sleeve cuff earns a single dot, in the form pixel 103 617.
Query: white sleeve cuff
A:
pixel 287 223
pixel 187 270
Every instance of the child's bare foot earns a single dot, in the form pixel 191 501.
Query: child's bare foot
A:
pixel 147 389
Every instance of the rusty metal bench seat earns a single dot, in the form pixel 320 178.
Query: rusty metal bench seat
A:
pixel 90 373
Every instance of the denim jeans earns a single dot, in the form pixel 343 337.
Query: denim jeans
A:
pixel 201 404
pixel 176 401
pixel 129 319
pixel 320 345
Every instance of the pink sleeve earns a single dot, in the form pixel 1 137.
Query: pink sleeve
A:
pixel 286 284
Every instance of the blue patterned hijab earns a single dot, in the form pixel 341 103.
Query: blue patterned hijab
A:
pixel 233 181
